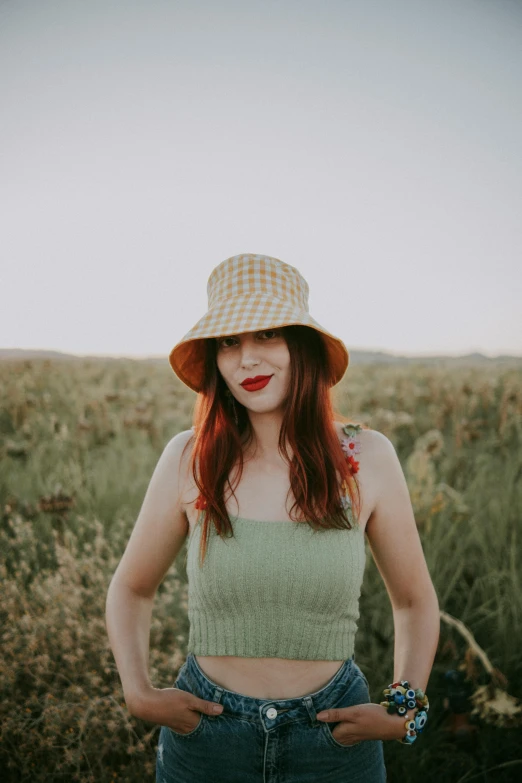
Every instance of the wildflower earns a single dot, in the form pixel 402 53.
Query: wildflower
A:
pixel 200 502
pixel 351 446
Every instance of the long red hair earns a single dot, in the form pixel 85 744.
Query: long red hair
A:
pixel 319 464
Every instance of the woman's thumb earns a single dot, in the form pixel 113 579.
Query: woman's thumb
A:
pixel 209 707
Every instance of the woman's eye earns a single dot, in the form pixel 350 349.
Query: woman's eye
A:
pixel 270 331
pixel 222 341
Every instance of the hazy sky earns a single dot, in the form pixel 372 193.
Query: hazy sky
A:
pixel 374 145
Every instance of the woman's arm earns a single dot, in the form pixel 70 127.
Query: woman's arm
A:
pixel 128 618
pixel 397 551
pixel 157 537
pixel 396 548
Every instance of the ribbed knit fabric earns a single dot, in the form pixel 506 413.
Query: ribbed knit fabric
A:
pixel 276 590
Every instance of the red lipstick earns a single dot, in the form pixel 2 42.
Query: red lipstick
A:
pixel 253 384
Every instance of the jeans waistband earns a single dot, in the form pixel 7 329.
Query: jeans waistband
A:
pixel 271 712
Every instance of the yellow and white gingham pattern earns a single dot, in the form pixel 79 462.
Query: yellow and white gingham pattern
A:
pixel 247 293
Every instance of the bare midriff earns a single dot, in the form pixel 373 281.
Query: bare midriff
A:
pixel 268 678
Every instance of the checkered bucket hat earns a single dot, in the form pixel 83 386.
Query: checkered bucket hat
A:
pixel 248 293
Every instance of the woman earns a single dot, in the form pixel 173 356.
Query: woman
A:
pixel 273 492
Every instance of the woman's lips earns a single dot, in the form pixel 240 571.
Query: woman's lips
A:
pixel 257 385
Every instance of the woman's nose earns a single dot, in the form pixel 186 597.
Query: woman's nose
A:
pixel 249 360
pixel 249 353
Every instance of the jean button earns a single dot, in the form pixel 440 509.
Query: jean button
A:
pixel 271 713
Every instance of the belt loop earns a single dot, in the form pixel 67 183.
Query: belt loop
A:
pixel 311 709
pixel 216 696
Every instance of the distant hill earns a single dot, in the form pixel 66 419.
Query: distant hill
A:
pixel 29 353
pixel 356 357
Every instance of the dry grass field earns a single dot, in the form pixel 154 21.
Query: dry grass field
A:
pixel 79 440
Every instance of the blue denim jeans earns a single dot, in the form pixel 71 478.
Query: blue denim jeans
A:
pixel 268 740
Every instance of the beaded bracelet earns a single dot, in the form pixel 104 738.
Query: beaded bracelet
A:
pixel 399 698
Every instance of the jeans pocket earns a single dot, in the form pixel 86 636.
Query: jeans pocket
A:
pixel 195 731
pixel 357 692
pixel 180 673
pixel 182 684
pixel 361 674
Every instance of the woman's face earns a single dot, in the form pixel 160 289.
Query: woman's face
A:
pixel 247 355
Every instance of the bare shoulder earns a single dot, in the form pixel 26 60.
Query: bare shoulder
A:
pixel 374 453
pixel 188 490
pixel 161 526
pixel 377 443
pixel 180 448
pixel 392 499
pixel 380 461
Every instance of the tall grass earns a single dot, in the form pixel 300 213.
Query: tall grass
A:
pixel 90 433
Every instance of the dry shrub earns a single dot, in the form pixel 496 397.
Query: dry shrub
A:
pixel 62 707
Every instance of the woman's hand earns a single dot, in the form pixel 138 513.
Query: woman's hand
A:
pixel 365 722
pixel 177 709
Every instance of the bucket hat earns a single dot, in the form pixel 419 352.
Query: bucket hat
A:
pixel 248 293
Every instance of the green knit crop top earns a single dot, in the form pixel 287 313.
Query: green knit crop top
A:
pixel 276 589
